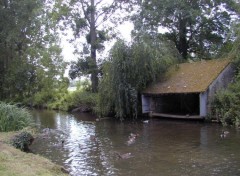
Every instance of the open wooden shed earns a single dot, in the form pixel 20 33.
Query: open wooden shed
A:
pixel 188 89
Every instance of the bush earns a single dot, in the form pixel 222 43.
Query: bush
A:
pixel 22 141
pixel 13 118
pixel 78 98
pixel 226 105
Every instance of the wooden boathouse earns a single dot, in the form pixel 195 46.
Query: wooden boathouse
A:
pixel 187 89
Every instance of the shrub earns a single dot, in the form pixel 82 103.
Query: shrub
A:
pixel 226 105
pixel 13 118
pixel 22 141
pixel 78 98
pixel 83 97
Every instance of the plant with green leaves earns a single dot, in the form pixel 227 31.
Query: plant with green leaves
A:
pixel 13 118
pixel 22 141
pixel 82 97
pixel 225 107
pixel 199 29
pixel 129 70
pixel 227 102
pixel 31 60
pixel 95 21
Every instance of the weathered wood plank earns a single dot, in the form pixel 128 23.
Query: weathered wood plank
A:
pixel 175 116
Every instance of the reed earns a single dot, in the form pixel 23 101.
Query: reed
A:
pixel 13 118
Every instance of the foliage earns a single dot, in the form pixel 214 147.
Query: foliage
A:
pixel 29 50
pixel 84 85
pixel 51 92
pixel 226 105
pixel 236 46
pixel 227 102
pixel 13 118
pixel 84 98
pixel 62 99
pixel 128 71
pixel 22 141
pixel 199 29
pixel 93 20
pixel 78 98
pixel 15 30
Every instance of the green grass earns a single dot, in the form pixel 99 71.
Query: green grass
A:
pixel 14 162
pixel 13 118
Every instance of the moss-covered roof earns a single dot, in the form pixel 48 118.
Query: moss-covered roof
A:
pixel 192 77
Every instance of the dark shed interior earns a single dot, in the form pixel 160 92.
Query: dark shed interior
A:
pixel 178 104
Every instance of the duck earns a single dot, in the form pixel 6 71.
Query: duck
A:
pixel 92 137
pixel 146 121
pixel 224 134
pixel 124 156
pixel 46 130
pixel 131 141
pixel 132 135
pixel 132 138
pixel 60 144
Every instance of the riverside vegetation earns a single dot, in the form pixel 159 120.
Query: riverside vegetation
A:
pixel 32 66
pixel 227 102
pixel 30 37
pixel 14 132
pixel 13 118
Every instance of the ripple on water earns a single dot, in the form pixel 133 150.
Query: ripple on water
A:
pixel 171 148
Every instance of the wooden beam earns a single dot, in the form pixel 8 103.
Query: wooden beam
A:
pixel 176 116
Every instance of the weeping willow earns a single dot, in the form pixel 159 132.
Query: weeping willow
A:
pixel 128 71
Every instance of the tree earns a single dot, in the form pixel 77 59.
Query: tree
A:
pixel 128 71
pixel 226 102
pixel 29 49
pixel 199 28
pixel 93 21
pixel 15 34
pixel 50 80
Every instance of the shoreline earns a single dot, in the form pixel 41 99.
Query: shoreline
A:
pixel 16 162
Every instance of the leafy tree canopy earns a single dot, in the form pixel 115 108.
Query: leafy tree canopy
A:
pixel 95 20
pixel 199 28
pixel 29 49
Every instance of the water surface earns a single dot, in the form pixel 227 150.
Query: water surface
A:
pixel 163 147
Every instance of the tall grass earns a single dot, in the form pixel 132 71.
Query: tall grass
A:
pixel 13 118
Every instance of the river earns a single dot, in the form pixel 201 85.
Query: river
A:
pixel 160 147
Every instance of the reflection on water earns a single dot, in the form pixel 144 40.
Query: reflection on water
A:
pixel 163 147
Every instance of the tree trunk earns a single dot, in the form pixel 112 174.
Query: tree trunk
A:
pixel 182 45
pixel 94 74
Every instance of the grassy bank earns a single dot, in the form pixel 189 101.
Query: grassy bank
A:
pixel 13 162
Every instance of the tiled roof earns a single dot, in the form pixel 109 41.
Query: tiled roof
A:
pixel 192 77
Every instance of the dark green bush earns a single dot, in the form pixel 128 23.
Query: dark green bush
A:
pixel 226 106
pixel 13 118
pixel 22 141
pixel 76 99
